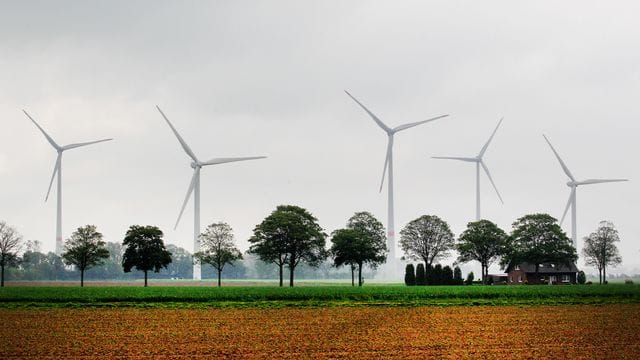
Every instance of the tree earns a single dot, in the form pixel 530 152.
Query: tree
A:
pixel 447 275
pixel 289 235
pixel 421 278
pixel 482 241
pixel 217 247
pixel 538 239
pixel 427 238
pixel 600 249
pixel 144 250
pixel 85 249
pixel 470 277
pixel 409 275
pixel 436 275
pixel 457 276
pixel 362 242
pixel 582 277
pixel 10 243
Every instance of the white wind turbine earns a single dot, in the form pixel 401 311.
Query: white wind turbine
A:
pixel 194 187
pixel 573 184
pixel 479 162
pixel 388 164
pixel 57 170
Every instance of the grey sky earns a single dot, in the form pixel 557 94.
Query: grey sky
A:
pixel 244 78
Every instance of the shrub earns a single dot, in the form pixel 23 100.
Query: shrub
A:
pixel 628 282
pixel 588 283
pixel 420 275
pixel 409 275
pixel 582 278
pixel 436 275
pixel 447 276
pixel 457 276
pixel 469 280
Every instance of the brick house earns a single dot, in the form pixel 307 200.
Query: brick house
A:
pixel 547 274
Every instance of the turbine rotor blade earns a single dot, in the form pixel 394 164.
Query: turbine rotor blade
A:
pixel 486 170
pixel 484 148
pixel 467 159
pixel 76 145
pixel 216 161
pixel 598 181
pixel 564 167
pixel 373 116
pixel 49 139
pixel 569 202
pixel 186 147
pixel 186 198
pixel 386 162
pixel 55 171
pixel 410 125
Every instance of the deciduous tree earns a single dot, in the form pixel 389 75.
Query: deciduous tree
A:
pixel 289 235
pixel 538 239
pixel 600 249
pixel 10 243
pixel 144 250
pixel 362 242
pixel 427 238
pixel 85 249
pixel 482 241
pixel 217 247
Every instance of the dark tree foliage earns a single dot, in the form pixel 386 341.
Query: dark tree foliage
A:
pixel 437 276
pixel 457 276
pixel 600 249
pixel 217 247
pixel 582 277
pixel 409 275
pixel 420 275
pixel 447 275
pixel 469 280
pixel 538 239
pixel 289 235
pixel 144 250
pixel 10 242
pixel 427 238
pixel 85 249
pixel 482 241
pixel 362 242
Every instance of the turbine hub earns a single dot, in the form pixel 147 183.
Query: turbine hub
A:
pixel 571 184
pixel 195 165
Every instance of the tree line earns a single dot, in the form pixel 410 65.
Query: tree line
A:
pixel 290 238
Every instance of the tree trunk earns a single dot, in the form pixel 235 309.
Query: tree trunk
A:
pixel 359 274
pixel 484 277
pixel 219 274
pixel 291 268
pixel 280 267
pixel 353 270
pixel 81 278
pixel 604 274
pixel 2 276
pixel 145 278
pixel 600 276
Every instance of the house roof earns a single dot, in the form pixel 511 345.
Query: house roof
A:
pixel 547 268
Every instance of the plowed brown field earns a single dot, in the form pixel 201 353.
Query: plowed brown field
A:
pixel 580 331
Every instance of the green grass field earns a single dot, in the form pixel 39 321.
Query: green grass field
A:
pixel 268 296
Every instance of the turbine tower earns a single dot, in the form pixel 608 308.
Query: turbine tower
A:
pixel 57 170
pixel 388 166
pixel 194 187
pixel 479 162
pixel 573 184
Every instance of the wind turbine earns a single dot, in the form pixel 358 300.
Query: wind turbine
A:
pixel 388 166
pixel 194 187
pixel 573 184
pixel 57 170
pixel 479 162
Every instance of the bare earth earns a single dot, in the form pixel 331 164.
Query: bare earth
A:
pixel 575 331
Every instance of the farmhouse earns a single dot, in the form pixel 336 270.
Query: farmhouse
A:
pixel 525 273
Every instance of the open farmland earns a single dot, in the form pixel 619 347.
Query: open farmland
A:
pixel 239 296
pixel 587 331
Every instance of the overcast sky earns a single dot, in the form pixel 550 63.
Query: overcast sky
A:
pixel 246 78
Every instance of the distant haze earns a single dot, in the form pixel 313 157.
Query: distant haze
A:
pixel 267 78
